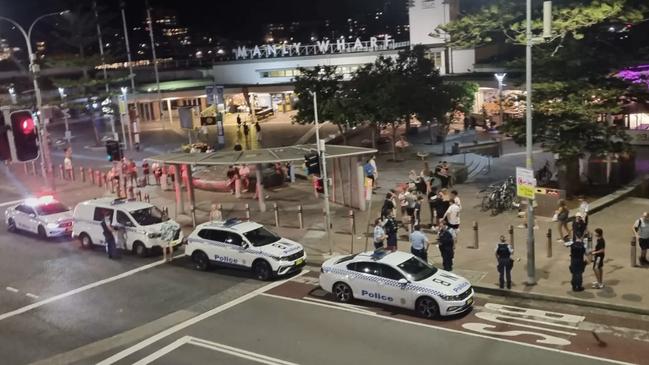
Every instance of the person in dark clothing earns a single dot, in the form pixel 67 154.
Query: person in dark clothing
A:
pixel 390 228
pixel 388 205
pixel 504 252
pixel 441 207
pixel 246 129
pixel 441 174
pixel 579 228
pixel 238 121
pixel 109 236
pixel 598 258
pixel 577 265
pixel 417 212
pixel 446 246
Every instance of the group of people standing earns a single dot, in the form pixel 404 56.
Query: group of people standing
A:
pixel 445 207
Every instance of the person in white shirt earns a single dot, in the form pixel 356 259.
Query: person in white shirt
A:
pixel 456 198
pixel 379 233
pixel 452 215
pixel 583 208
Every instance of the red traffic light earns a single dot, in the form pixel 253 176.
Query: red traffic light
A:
pixel 27 125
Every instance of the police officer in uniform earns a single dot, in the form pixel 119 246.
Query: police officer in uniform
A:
pixel 504 252
pixel 446 245
pixel 577 264
pixel 109 236
pixel 419 243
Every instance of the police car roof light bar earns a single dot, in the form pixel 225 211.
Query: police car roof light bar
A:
pixel 231 222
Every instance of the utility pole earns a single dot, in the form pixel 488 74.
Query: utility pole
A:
pixel 320 146
pixel 131 75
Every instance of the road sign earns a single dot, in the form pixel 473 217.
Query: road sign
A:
pixel 525 183
pixel 66 113
pixel 209 91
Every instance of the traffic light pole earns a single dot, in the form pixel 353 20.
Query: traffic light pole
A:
pixel 46 166
pixel 325 181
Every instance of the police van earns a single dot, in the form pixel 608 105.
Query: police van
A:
pixel 144 225
pixel 246 245
pixel 399 279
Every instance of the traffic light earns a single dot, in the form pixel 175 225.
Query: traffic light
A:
pixel 5 150
pixel 25 136
pixel 113 151
pixel 312 162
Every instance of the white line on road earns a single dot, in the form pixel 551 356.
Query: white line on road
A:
pixel 10 203
pixel 13 290
pixel 379 316
pixel 180 326
pixel 249 355
pixel 33 296
pixel 27 308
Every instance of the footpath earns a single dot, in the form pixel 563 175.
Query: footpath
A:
pixel 625 287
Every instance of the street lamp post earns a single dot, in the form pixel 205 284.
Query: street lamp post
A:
pixel 320 146
pixel 68 134
pixel 500 77
pixel 123 114
pixel 46 166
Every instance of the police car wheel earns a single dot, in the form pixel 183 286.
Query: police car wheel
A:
pixel 262 271
pixel 11 225
pixel 343 292
pixel 86 241
pixel 427 307
pixel 201 262
pixel 41 232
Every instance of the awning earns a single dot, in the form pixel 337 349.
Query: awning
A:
pixel 251 157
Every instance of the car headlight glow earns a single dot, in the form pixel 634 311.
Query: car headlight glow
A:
pixel 450 298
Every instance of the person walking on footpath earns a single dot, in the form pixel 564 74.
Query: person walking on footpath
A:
pixel 577 265
pixel 388 205
pixel 379 233
pixel 390 227
pixel 238 121
pixel 446 245
pixel 109 235
pixel 598 258
pixel 579 228
pixel 504 252
pixel 452 217
pixel 641 232
pixel 246 130
pixel 215 213
pixel 419 243
pixel 258 132
pixel 67 164
pixel 561 217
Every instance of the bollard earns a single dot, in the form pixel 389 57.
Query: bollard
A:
pixel 92 175
pixel 147 198
pixel 112 186
pixel 138 195
pixel 61 172
pixel 276 214
pixel 511 235
pixel 300 216
pixel 130 194
pixel 26 169
pixel 72 175
pixel 82 173
pixel 476 245
pixel 98 178
pixel 247 208
pixel 33 168
pixel 634 261
pixel 549 242
pixel 219 208
pixel 104 178
pixel 352 229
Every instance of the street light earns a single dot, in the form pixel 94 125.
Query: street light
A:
pixel 46 166
pixel 500 77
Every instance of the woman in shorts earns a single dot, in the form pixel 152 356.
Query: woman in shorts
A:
pixel 598 258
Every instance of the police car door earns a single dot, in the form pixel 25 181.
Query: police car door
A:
pixel 368 285
pixel 21 217
pixel 237 250
pixel 389 284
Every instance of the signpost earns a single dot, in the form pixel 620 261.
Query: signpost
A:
pixel 525 183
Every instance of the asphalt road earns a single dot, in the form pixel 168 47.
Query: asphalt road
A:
pixel 293 323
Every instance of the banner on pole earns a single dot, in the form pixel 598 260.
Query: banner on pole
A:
pixel 525 183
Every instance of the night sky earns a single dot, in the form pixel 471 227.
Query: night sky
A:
pixel 233 19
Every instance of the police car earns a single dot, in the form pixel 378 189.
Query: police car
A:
pixel 246 245
pixel 399 279
pixel 44 216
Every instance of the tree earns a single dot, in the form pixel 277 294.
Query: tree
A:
pixel 575 91
pixel 335 98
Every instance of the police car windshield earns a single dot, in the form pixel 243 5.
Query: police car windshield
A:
pixel 53 208
pixel 261 237
pixel 416 269
pixel 148 216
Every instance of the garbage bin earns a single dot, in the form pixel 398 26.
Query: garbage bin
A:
pixel 455 149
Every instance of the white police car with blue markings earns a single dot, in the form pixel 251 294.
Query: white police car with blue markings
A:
pixel 399 279
pixel 44 215
pixel 246 245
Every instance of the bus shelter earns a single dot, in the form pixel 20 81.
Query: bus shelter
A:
pixel 344 170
